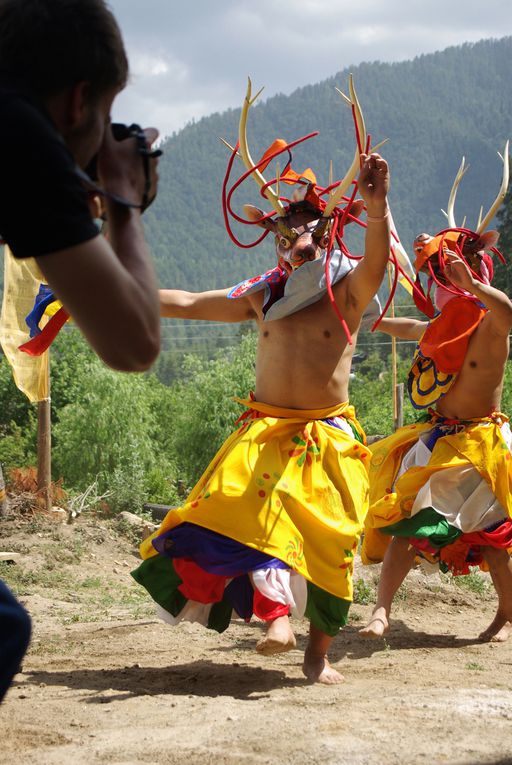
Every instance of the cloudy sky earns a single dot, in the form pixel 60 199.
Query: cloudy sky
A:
pixel 190 58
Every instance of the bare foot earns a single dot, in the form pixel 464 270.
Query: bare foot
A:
pixel 377 626
pixel 498 631
pixel 278 638
pixel 318 670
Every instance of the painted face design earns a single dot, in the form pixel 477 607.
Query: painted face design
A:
pixel 300 237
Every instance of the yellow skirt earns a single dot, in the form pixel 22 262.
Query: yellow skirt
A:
pixel 290 485
pixel 479 443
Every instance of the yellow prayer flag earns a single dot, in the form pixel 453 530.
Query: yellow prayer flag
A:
pixel 22 279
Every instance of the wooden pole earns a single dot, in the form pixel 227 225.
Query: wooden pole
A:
pixel 44 447
pixel 399 405
pixel 3 495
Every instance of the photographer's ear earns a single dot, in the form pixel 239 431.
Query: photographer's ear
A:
pixel 78 104
pixel 69 108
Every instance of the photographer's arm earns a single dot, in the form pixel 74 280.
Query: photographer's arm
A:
pixel 111 293
pixel 109 287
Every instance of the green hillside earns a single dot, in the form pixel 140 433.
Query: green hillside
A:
pixel 433 109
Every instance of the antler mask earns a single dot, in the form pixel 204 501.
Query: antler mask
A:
pixel 470 246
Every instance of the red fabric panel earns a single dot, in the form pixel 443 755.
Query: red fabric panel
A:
pixel 500 537
pixel 197 584
pixel 267 609
pixel 456 555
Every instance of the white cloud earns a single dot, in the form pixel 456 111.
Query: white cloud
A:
pixel 144 65
pixel 189 59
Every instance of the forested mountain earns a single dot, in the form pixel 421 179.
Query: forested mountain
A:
pixel 433 109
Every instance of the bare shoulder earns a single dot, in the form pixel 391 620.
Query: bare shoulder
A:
pixel 491 336
pixel 255 305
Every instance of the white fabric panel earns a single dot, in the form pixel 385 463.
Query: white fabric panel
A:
pixel 282 586
pixel 192 612
pixel 459 493
pixel 343 425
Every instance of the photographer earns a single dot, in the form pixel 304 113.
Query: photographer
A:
pixel 62 63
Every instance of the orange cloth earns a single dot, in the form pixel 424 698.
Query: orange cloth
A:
pixel 289 176
pixel 446 338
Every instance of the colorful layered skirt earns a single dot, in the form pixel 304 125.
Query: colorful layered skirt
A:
pixel 446 485
pixel 272 526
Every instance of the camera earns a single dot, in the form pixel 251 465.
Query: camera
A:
pixel 121 132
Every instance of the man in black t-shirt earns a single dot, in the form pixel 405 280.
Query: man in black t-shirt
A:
pixel 62 62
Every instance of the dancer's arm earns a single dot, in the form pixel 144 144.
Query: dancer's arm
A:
pixel 213 305
pixel 498 304
pixel 373 183
pixel 402 327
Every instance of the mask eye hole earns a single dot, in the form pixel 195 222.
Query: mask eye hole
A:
pixel 284 243
pixel 324 241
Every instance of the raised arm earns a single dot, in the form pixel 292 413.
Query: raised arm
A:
pixel 208 306
pixel 498 304
pixel 366 278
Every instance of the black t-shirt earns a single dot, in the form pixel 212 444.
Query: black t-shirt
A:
pixel 43 204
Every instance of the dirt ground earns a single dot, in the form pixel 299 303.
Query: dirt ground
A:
pixel 106 682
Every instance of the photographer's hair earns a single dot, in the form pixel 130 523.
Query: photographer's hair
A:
pixel 47 46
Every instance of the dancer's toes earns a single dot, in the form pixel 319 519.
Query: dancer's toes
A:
pixel 279 638
pixel 499 630
pixel 318 670
pixel 377 626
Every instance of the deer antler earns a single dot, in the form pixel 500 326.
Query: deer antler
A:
pixel 338 192
pixel 450 214
pixel 501 193
pixel 269 192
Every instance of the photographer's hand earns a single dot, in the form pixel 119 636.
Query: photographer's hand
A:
pixel 125 172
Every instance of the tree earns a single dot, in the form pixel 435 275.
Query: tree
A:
pixel 203 410
pixel 111 431
pixel 503 273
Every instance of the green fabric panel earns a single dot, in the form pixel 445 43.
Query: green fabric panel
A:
pixel 220 616
pixel 427 524
pixel 160 579
pixel 357 434
pixel 158 576
pixel 326 612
